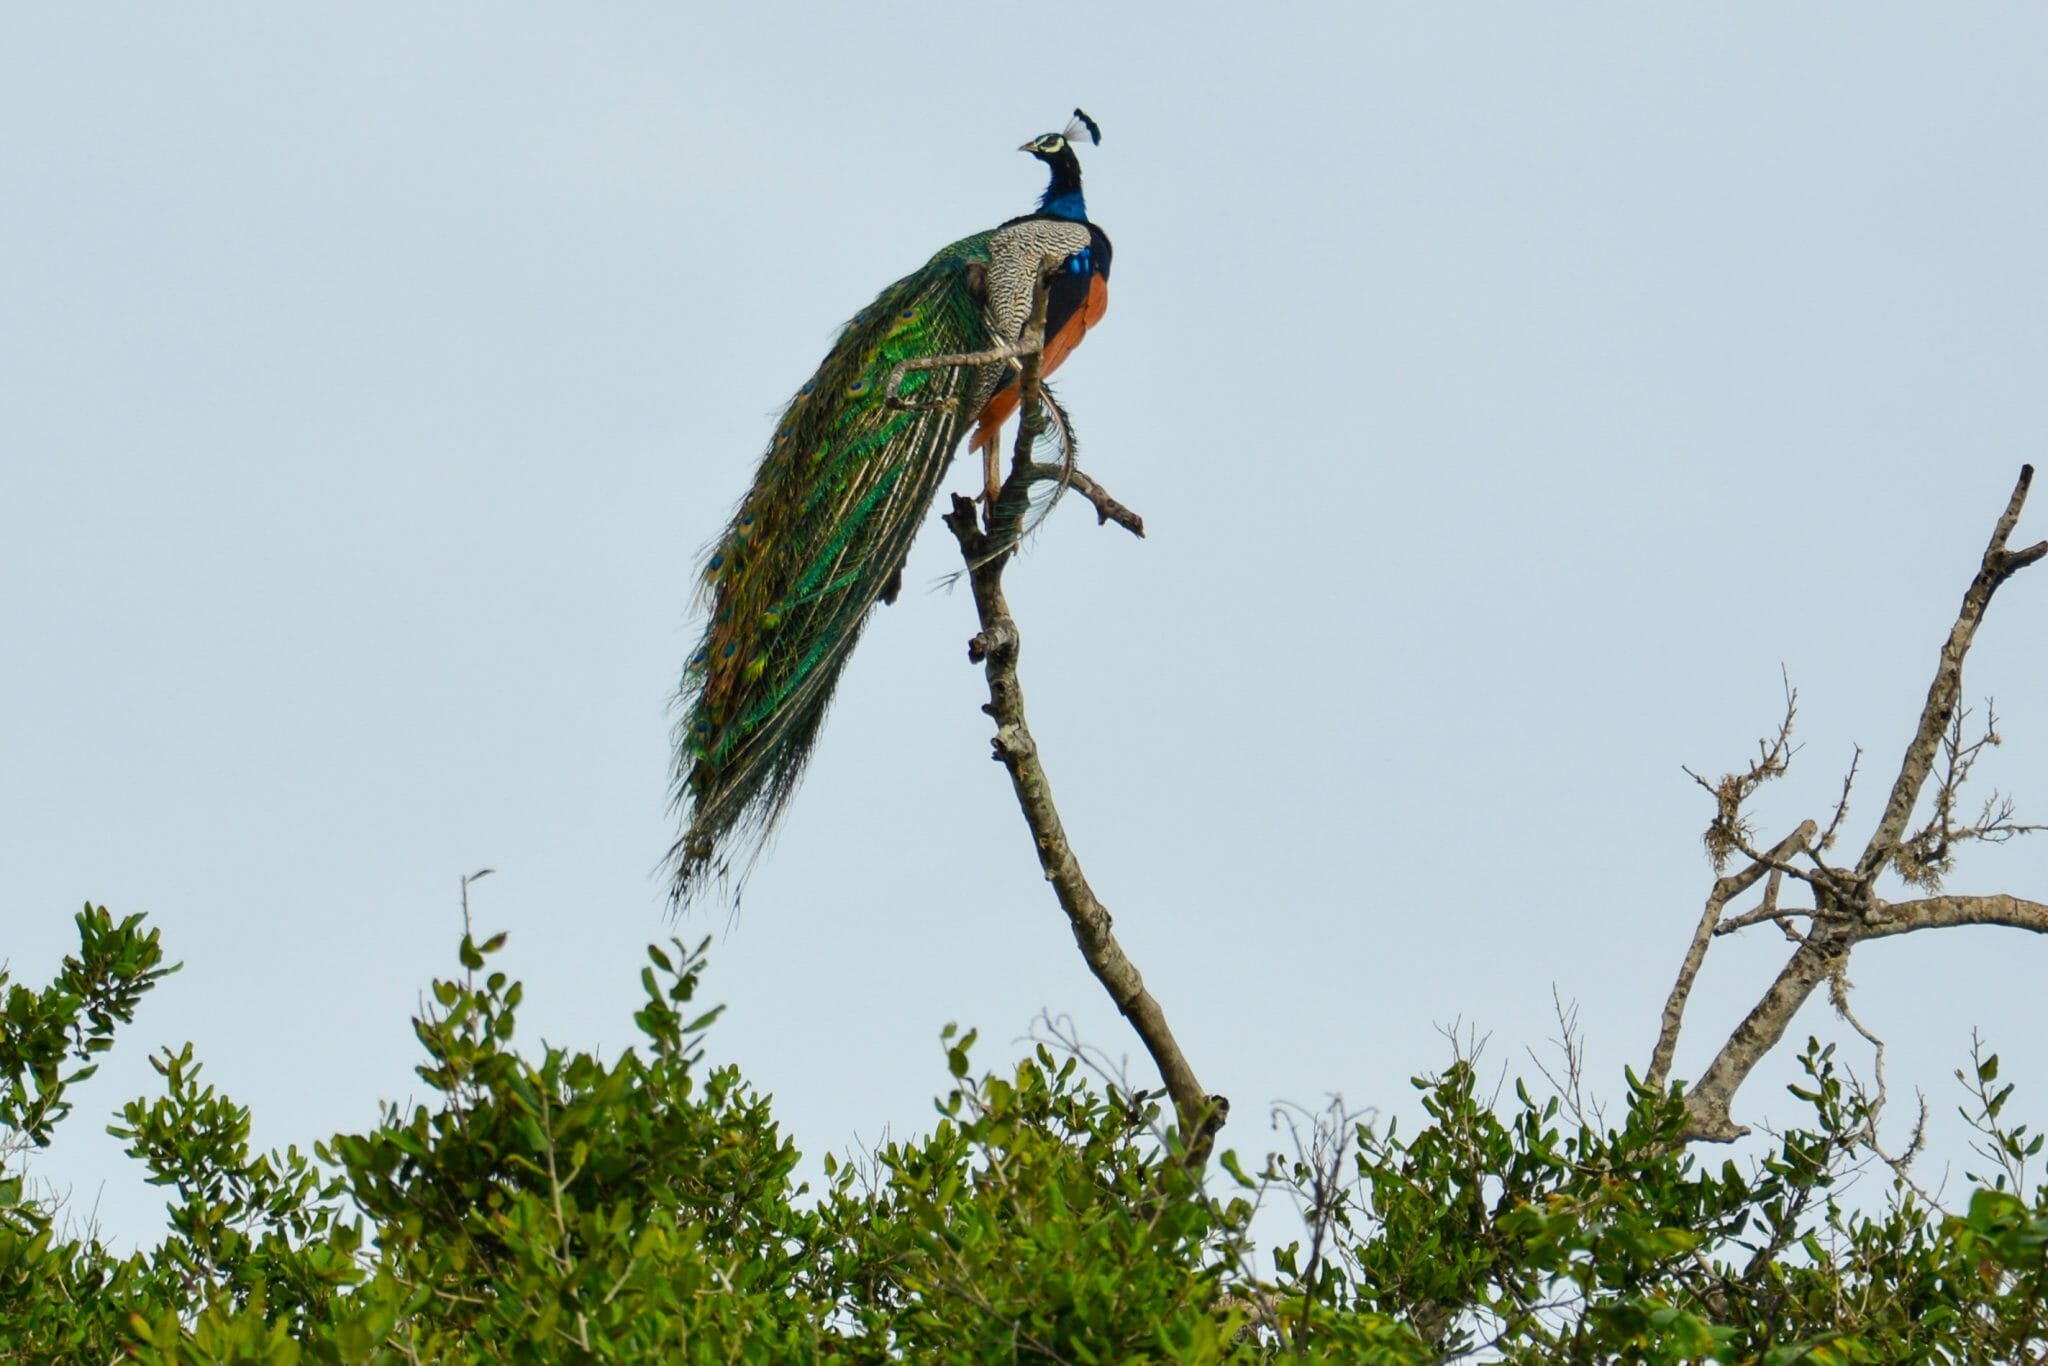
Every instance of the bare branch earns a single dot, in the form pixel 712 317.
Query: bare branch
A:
pixel 1768 913
pixel 1725 889
pixel 1818 957
pixel 1940 912
pixel 1821 955
pixel 1998 565
pixel 1107 509
pixel 1820 875
pixel 996 646
pixel 1846 911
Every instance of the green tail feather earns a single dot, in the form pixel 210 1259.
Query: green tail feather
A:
pixel 822 535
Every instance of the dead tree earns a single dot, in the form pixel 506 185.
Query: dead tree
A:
pixel 1842 908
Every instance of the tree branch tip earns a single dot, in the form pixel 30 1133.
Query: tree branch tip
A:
pixel 1130 521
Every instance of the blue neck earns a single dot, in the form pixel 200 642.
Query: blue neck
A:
pixel 1065 205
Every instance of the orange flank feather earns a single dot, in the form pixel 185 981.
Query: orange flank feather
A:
pixel 1057 348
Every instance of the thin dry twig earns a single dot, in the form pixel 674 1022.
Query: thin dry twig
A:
pixel 1926 856
pixel 1107 509
pixel 1568 1083
pixel 1768 913
pixel 1729 832
pixel 1827 836
pixel 1873 1103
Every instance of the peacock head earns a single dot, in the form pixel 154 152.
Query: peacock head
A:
pixel 1051 147
pixel 1062 197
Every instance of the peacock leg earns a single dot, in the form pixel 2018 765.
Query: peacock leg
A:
pixel 991 473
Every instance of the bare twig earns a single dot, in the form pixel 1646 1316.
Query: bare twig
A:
pixel 1925 857
pixel 1728 833
pixel 1107 509
pixel 1827 836
pixel 1318 1188
pixel 984 548
pixel 1873 1104
pixel 1061 1034
pixel 1568 1083
pixel 1767 913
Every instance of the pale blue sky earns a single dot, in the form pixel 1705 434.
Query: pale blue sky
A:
pixel 1509 393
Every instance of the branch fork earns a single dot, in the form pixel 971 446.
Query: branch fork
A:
pixel 1846 909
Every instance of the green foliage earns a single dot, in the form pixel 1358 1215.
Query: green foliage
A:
pixel 1032 1224
pixel 1514 1233
pixel 559 1207
pixel 73 1019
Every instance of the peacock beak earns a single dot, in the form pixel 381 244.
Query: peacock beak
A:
pixel 1028 147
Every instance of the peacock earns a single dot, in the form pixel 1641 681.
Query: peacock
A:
pixel 846 481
